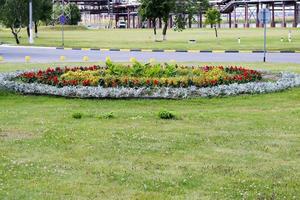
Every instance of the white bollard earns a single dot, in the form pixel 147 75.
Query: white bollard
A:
pixel 290 36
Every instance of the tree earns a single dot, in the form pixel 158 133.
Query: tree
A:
pixel 157 9
pixel 41 11
pixel 166 8
pixel 149 10
pixel 195 7
pixel 71 11
pixel 213 17
pixel 12 15
pixel 185 10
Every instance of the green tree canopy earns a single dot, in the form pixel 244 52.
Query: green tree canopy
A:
pixel 71 11
pixel 13 15
pixel 213 17
pixel 185 10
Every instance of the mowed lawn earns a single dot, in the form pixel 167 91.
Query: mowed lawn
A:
pixel 251 39
pixel 245 147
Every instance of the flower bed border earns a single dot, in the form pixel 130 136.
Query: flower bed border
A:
pixel 287 80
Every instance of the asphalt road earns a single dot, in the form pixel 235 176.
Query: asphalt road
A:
pixel 47 55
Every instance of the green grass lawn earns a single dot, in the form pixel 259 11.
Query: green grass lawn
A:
pixel 251 39
pixel 244 147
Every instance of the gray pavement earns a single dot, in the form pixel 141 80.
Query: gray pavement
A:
pixel 47 55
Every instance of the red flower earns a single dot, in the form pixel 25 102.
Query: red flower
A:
pixel 55 80
pixel 86 83
pixel 156 82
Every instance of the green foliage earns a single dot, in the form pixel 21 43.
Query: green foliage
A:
pixel 156 9
pixel 71 10
pixel 166 115
pixel 170 70
pixel 12 15
pixel 108 115
pixel 73 13
pixel 143 70
pixel 154 71
pixel 213 17
pixel 137 69
pixel 41 11
pixel 185 10
pixel 77 115
pixel 46 11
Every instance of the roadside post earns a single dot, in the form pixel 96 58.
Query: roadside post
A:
pixel 62 21
pixel 264 18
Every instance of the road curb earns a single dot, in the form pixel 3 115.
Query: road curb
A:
pixel 158 50
pixel 178 50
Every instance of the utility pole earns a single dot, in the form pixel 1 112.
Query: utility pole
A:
pixel 30 23
pixel 62 24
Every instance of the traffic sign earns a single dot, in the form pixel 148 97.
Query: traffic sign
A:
pixel 264 16
pixel 62 19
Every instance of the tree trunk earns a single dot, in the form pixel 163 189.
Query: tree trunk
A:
pixel 216 31
pixel 28 31
pixel 154 28
pixel 36 29
pixel 165 29
pixel 190 21
pixel 15 35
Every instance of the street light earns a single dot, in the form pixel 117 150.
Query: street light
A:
pixel 30 23
pixel 62 21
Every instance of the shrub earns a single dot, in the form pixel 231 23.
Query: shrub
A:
pixel 166 115
pixel 109 115
pixel 77 115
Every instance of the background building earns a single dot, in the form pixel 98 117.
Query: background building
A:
pixel 235 13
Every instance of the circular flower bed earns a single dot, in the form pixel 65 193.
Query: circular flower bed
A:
pixel 146 81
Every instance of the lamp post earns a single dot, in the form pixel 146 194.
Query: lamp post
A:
pixel 62 24
pixel 30 23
